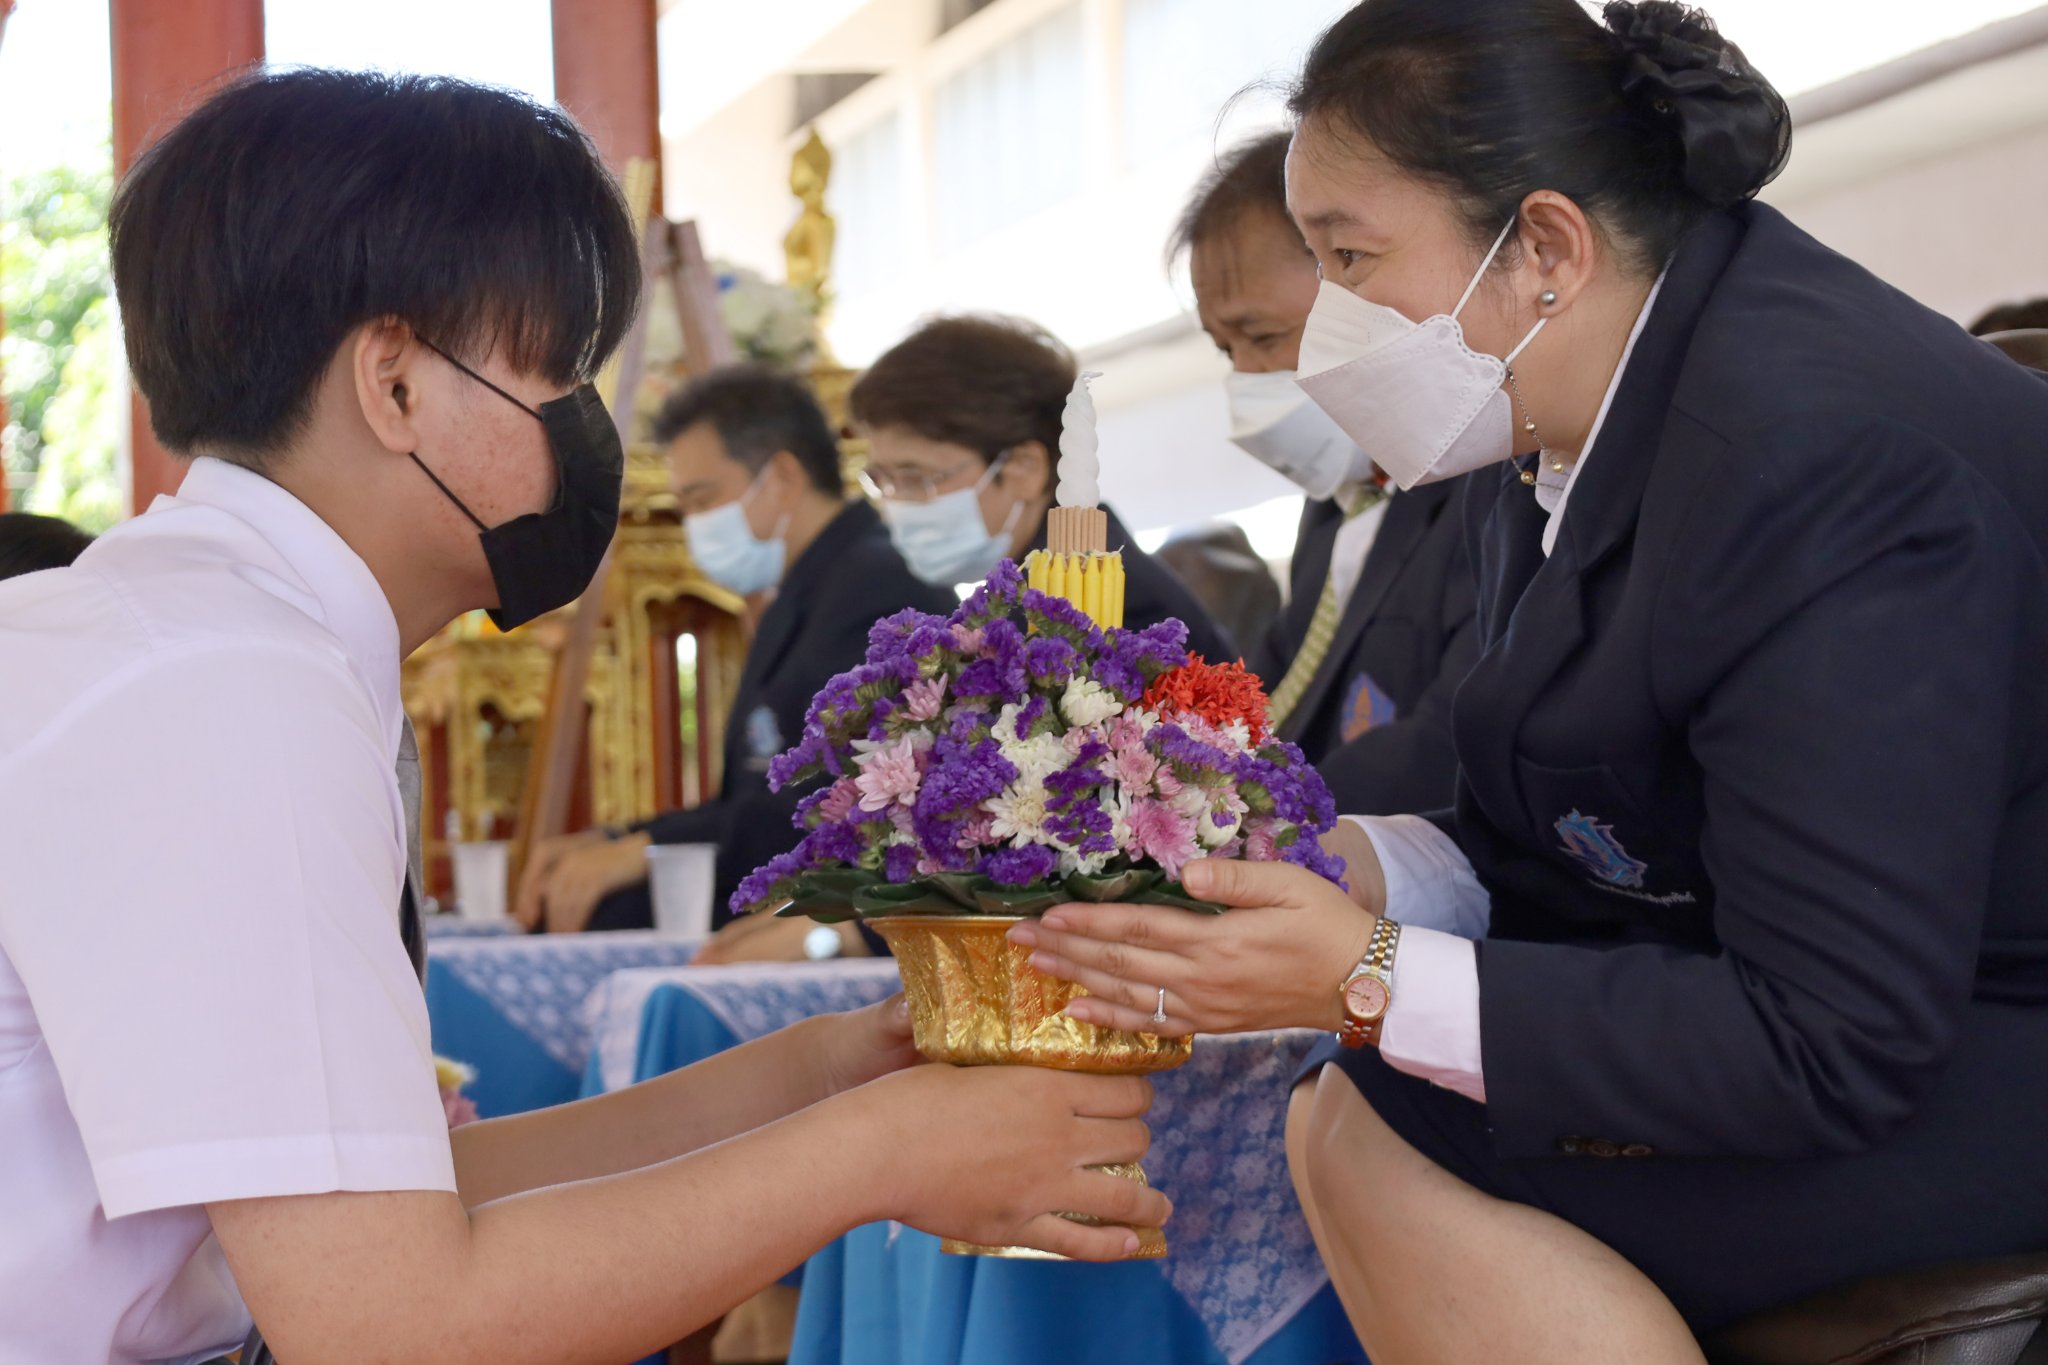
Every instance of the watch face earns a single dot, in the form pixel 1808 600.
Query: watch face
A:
pixel 822 942
pixel 1366 998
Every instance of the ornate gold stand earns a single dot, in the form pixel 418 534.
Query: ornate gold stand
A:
pixel 975 1000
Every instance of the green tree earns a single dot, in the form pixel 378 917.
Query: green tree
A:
pixel 57 358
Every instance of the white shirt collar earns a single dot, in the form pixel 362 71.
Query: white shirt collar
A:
pixel 1554 490
pixel 344 595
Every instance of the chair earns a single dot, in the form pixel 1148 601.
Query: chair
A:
pixel 1968 1313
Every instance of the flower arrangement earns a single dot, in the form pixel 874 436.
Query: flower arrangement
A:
pixel 451 1076
pixel 774 324
pixel 1015 755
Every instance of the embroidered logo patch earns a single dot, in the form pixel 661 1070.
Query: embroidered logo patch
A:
pixel 1366 706
pixel 764 736
pixel 1593 846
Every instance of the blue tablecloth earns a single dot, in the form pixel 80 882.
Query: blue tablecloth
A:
pixel 455 926
pixel 513 1008
pixel 1243 1285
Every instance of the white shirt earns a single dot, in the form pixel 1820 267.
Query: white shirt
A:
pixel 1355 537
pixel 1432 1026
pixel 202 990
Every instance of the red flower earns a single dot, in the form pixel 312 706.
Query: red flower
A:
pixel 1218 693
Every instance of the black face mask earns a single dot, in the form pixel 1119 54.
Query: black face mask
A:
pixel 545 560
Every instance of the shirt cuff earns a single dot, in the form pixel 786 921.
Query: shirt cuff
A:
pixel 1430 882
pixel 252 1168
pixel 1432 1026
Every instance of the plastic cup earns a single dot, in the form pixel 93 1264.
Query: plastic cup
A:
pixel 682 878
pixel 480 875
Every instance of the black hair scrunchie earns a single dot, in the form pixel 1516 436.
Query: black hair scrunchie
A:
pixel 1733 129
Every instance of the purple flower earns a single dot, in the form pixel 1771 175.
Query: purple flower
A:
pixel 899 863
pixel 961 775
pixel 1051 661
pixel 1020 866
pixel 999 672
pixel 1057 618
pixel 996 597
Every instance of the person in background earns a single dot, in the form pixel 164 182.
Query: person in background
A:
pixel 1379 628
pixel 755 467
pixel 1226 575
pixel 963 416
pixel 30 543
pixel 2011 317
pixel 2027 345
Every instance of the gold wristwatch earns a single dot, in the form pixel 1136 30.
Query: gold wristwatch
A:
pixel 1368 992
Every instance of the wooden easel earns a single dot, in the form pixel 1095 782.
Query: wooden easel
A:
pixel 670 253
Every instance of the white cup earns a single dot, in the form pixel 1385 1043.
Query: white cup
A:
pixel 480 875
pixel 682 877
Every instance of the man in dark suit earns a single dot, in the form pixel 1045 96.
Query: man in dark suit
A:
pixel 1379 630
pixel 756 470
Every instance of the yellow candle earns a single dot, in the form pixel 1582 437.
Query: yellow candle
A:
pixel 1114 605
pixel 1034 570
pixel 1056 575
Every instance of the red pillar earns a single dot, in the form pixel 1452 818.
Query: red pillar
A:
pixel 605 77
pixel 166 56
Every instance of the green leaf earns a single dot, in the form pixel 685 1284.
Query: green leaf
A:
pixel 1176 895
pixel 959 887
pixel 824 909
pixel 1112 886
pixel 909 898
pixel 835 881
pixel 1020 900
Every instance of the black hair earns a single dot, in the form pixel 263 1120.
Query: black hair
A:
pixel 757 412
pixel 1250 178
pixel 1649 123
pixel 31 543
pixel 293 206
pixel 982 381
pixel 2012 317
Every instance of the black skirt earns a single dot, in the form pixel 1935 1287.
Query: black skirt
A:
pixel 1725 1237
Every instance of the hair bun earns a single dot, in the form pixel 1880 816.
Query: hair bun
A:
pixel 1732 128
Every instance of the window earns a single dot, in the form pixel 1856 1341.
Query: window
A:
pixel 1009 132
pixel 866 192
pixel 1184 59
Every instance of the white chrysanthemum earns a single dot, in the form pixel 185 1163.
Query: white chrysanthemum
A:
pixel 1018 812
pixel 1212 835
pixel 1037 756
pixel 1087 702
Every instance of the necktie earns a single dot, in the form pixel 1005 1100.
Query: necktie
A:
pixel 255 1351
pixel 1322 629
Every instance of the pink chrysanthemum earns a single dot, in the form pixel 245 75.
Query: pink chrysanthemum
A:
pixel 923 699
pixel 1163 834
pixel 889 776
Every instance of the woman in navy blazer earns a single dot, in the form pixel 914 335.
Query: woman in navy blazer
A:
pixel 1726 979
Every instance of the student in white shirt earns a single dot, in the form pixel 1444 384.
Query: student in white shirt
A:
pixel 370 306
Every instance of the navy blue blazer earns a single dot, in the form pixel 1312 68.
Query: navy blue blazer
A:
pixel 847 579
pixel 1755 764
pixel 1376 718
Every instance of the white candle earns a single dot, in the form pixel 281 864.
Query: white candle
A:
pixel 1080 470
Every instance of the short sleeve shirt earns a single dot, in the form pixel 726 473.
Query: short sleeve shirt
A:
pixel 203 995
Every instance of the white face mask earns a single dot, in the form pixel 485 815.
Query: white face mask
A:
pixel 1274 422
pixel 946 541
pixel 1428 404
pixel 727 550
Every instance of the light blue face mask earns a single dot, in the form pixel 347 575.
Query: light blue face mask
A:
pixel 946 541
pixel 729 552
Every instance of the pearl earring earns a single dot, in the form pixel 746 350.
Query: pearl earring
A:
pixel 1547 297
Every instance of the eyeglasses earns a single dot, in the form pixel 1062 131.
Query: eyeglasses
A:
pixel 918 486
